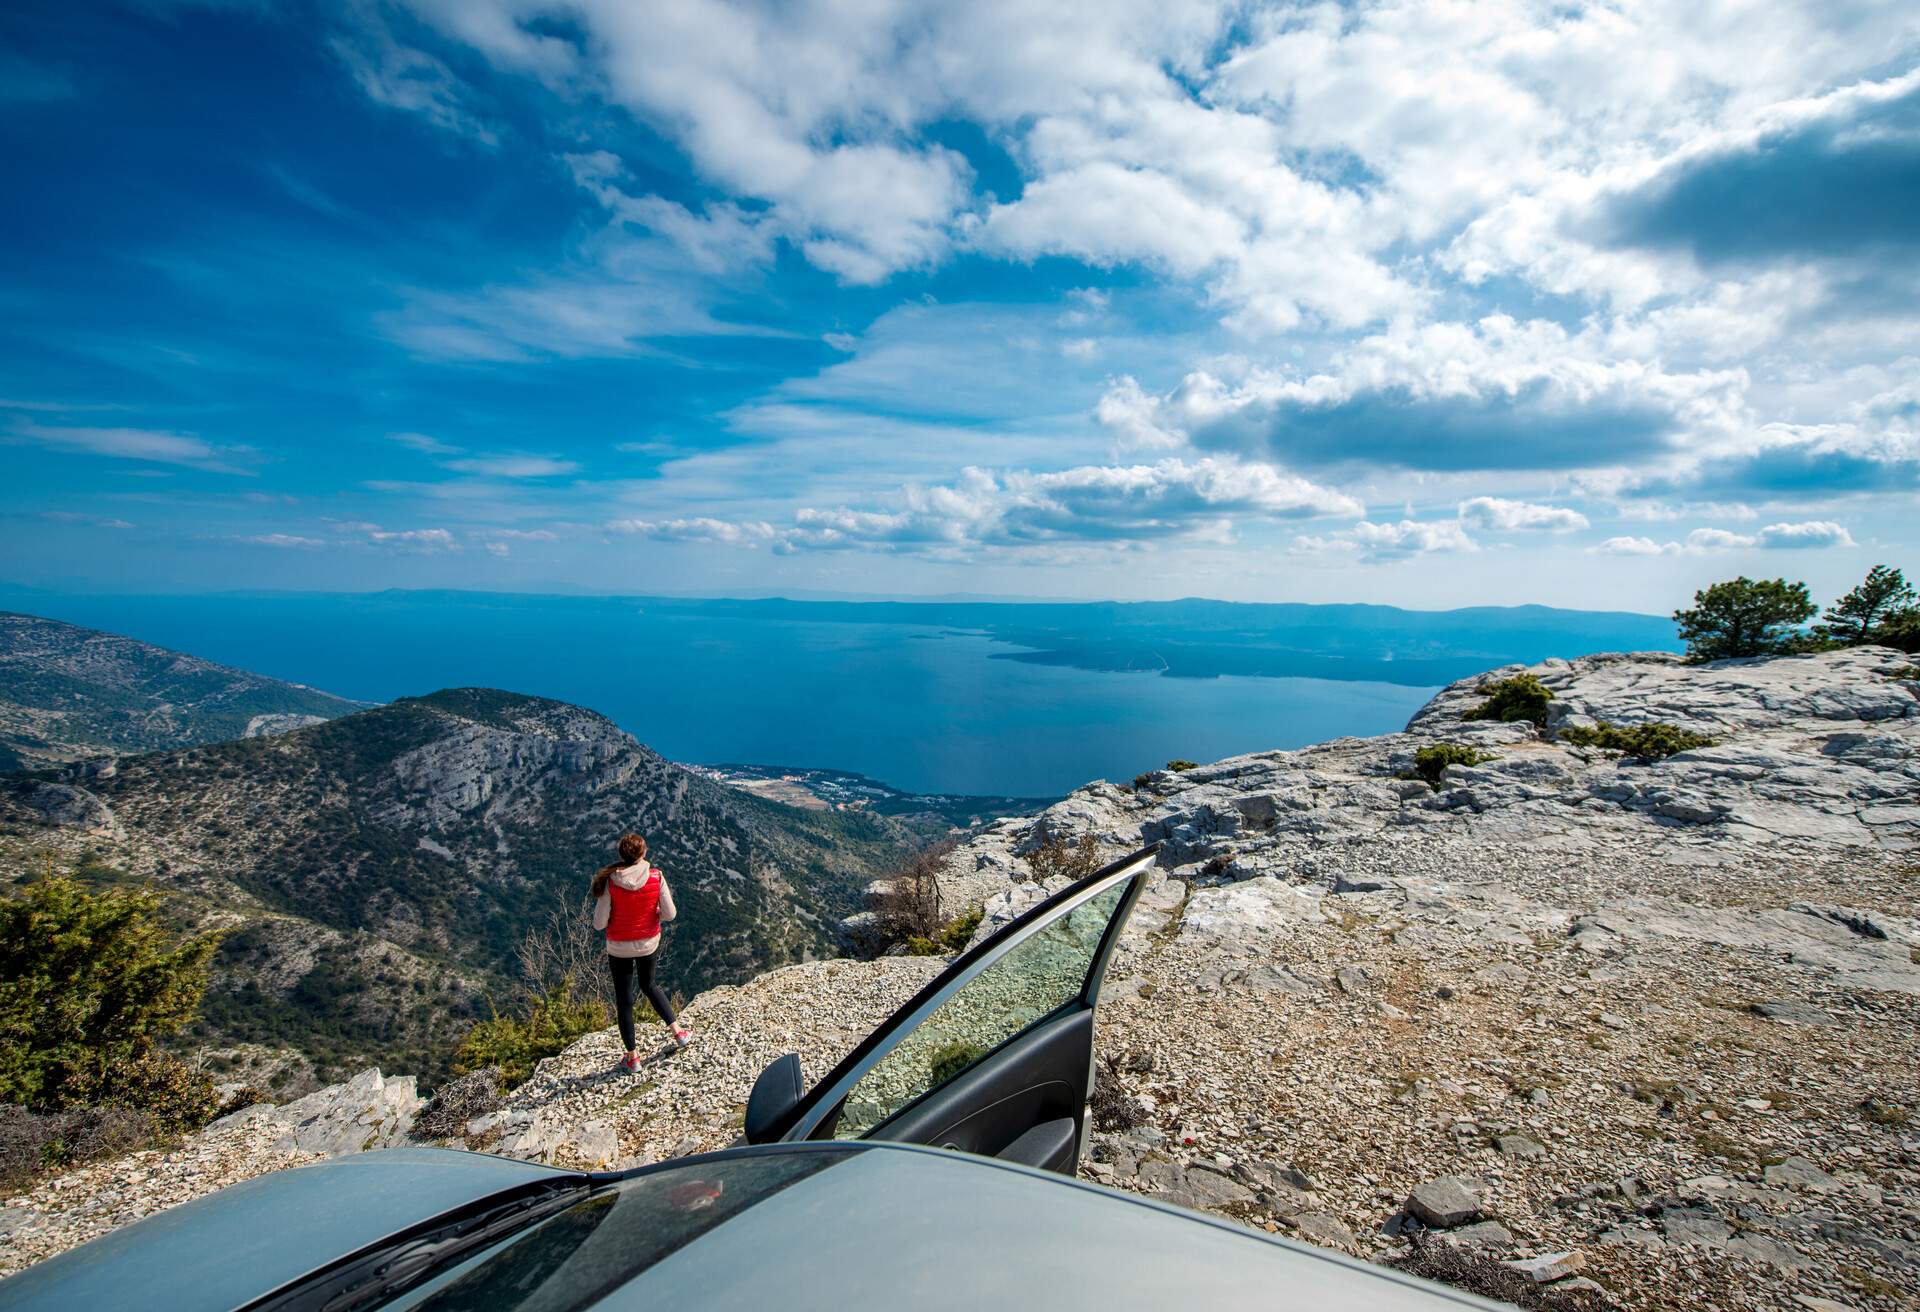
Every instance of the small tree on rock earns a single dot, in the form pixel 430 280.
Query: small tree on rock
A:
pixel 1744 617
pixel 1856 618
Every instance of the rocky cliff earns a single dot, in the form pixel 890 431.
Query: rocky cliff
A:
pixel 379 870
pixel 70 694
pixel 1651 1024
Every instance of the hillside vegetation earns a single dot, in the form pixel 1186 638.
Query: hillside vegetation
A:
pixel 69 694
pixel 377 872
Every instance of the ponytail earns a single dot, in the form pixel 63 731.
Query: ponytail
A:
pixel 632 848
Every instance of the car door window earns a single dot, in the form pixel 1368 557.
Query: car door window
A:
pixel 1031 982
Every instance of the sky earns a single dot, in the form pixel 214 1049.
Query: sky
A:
pixel 1429 304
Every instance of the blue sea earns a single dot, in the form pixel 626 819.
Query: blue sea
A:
pixel 925 709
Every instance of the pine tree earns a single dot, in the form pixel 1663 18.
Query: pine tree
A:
pixel 1853 619
pixel 1744 617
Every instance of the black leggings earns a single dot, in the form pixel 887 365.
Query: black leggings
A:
pixel 624 969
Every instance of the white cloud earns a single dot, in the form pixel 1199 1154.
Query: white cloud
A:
pixel 510 466
pixel 79 517
pixel 1812 533
pixel 423 541
pixel 498 548
pixel 1389 542
pixel 146 444
pixel 403 77
pixel 282 541
pixel 1635 546
pixel 1706 541
pixel 421 442
pixel 1497 394
pixel 701 529
pixel 1509 516
pixel 1121 505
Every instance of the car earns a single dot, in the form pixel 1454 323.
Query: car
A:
pixel 934 1167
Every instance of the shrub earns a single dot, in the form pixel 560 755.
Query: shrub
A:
pixel 1179 765
pixel 455 1103
pixel 1113 1108
pixel 1450 1264
pixel 1429 763
pixel 949 1059
pixel 1900 631
pixel 89 983
pixel 1650 742
pixel 910 906
pixel 34 1142
pixel 515 1044
pixel 1523 697
pixel 1143 780
pixel 1743 617
pixel 1057 856
pixel 951 938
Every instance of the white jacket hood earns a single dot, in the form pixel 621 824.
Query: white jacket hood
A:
pixel 634 876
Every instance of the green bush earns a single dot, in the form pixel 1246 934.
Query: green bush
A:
pixel 1429 763
pixel 89 984
pixel 515 1044
pixel 1180 764
pixel 949 1059
pixel 1901 631
pixel 949 939
pixel 1650 742
pixel 1523 697
pixel 1744 617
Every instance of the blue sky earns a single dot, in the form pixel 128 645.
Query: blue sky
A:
pixel 1430 304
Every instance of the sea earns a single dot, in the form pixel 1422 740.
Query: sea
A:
pixel 927 708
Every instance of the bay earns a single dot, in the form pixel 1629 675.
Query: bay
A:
pixel 923 708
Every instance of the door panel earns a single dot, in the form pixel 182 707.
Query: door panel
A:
pixel 1035 1079
pixel 1000 1044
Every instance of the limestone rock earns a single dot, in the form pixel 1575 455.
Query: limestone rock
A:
pixel 1443 1203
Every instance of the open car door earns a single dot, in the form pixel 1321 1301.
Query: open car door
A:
pixel 995 1056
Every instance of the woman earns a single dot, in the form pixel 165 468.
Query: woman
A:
pixel 631 901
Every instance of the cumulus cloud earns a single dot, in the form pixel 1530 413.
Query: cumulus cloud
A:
pixel 1511 516
pixel 1111 505
pixel 722 532
pixel 1812 534
pixel 1390 542
pixel 1499 394
pixel 424 541
pixel 1829 177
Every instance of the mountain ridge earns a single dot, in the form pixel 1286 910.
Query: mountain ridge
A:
pixel 377 870
pixel 68 692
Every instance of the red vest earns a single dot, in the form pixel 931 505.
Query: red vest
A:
pixel 636 912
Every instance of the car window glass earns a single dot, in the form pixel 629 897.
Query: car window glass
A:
pixel 576 1258
pixel 1028 984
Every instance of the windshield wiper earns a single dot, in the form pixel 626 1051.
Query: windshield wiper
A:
pixel 374 1275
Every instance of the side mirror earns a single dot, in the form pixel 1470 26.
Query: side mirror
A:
pixel 775 1093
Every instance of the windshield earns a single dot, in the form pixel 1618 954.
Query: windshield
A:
pixel 575 1258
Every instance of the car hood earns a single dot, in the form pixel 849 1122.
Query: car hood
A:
pixel 228 1248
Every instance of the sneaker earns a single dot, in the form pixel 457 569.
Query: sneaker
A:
pixel 682 1036
pixel 630 1063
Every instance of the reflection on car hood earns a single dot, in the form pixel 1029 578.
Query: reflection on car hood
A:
pixel 231 1247
pixel 899 1227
